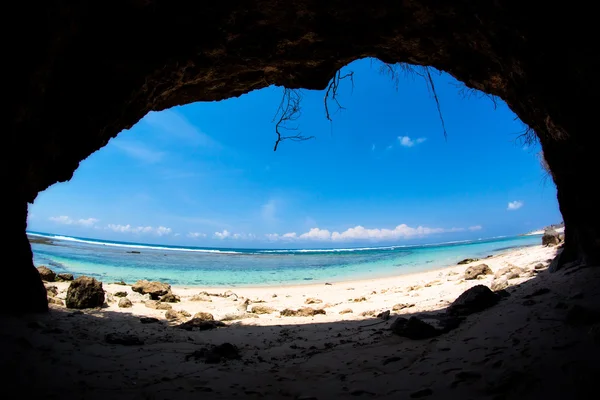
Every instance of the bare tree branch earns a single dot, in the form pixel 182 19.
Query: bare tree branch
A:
pixel 332 91
pixel 288 112
pixel 437 101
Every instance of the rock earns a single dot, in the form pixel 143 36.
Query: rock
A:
pixel 473 300
pixel 550 238
pixel 346 311
pixel 401 306
pixel 158 305
pixel 229 293
pixel 109 298
pixel 64 277
pixel 510 272
pixel 54 300
pixel 302 312
pixel 499 284
pixel 421 393
pixel 359 299
pixel 414 328
pixel 368 313
pixel 200 325
pixel 148 320
pixel 200 297
pixel 215 354
pixel 467 261
pixel 170 298
pixel 124 302
pixel 52 291
pixel 46 274
pixel 539 266
pixel 120 294
pixel 235 317
pixel 274 296
pixel 476 270
pixel 172 315
pixel 123 339
pixel 85 292
pixel 312 300
pixel 203 316
pixel 385 315
pixel 154 289
pixel 262 310
pixel 121 282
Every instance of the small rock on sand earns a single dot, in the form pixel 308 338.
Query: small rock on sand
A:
pixel 263 310
pixel 120 294
pixel 467 261
pixel 64 277
pixel 170 298
pixel 302 312
pixel 401 306
pixel 174 315
pixel 124 302
pixel 154 289
pixel 204 316
pixel 475 271
pixel 510 272
pixel 414 328
pixel 201 297
pixel 54 300
pixel 346 311
pixel 475 299
pixel 312 300
pixel 157 305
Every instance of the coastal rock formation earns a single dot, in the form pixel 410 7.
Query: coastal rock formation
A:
pixel 510 272
pixel 550 238
pixel 154 289
pixel 46 274
pixel 170 298
pixel 85 292
pixel 475 271
pixel 174 315
pixel 204 316
pixel 161 54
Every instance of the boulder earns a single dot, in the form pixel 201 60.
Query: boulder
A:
pixel 64 277
pixel 46 274
pixel 414 328
pixel 204 316
pixel 550 238
pixel 510 272
pixel 473 300
pixel 124 302
pixel 467 261
pixel 85 292
pixel 154 289
pixel 170 298
pixel 475 271
pixel 499 284
pixel 385 315
pixel 158 305
pixel 173 315
pixel 120 294
pixel 262 310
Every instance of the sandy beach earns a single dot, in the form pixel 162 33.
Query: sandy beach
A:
pixel 344 351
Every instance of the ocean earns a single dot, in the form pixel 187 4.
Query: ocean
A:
pixel 111 261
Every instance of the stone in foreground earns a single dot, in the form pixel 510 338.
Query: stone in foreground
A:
pixel 476 299
pixel 46 274
pixel 85 292
pixel 477 270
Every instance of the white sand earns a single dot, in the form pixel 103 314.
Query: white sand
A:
pixel 522 342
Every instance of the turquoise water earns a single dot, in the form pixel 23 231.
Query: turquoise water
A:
pixel 190 266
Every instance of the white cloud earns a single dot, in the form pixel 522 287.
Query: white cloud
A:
pixel 514 205
pixel 66 220
pixel 222 235
pixel 475 228
pixel 196 235
pixel 138 151
pixel 402 231
pixel 159 231
pixel 316 234
pixel 408 142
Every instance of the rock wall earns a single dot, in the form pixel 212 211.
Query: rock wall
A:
pixel 79 73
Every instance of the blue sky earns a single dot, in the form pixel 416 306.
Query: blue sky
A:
pixel 205 174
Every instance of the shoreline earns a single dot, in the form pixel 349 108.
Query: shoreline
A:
pixel 348 300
